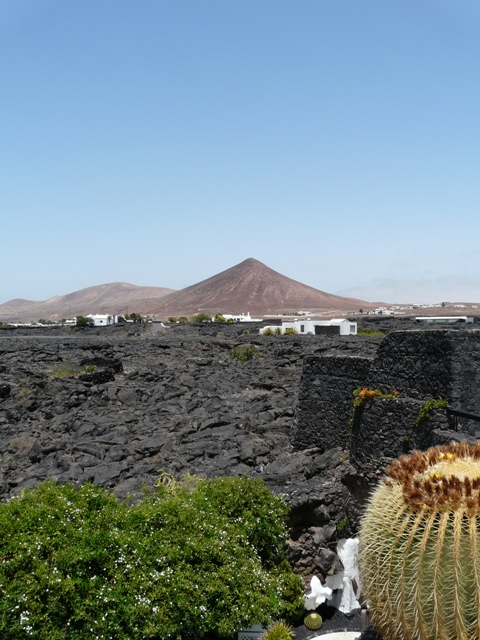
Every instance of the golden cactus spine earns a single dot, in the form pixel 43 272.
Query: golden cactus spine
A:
pixel 420 546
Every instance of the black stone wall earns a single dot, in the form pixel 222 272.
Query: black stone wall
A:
pixel 420 366
pixel 324 406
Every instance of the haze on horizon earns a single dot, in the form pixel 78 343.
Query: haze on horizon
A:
pixel 159 143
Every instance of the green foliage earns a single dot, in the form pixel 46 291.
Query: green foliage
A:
pixel 342 525
pixel 201 317
pixel 172 319
pixel 24 392
pixel 84 322
pixel 426 409
pixel 182 319
pixel 134 317
pixel 268 331
pixel 71 370
pixel 230 321
pixel 278 630
pixel 278 331
pixel 361 396
pixel 219 318
pixel 290 331
pixel 371 332
pixel 244 352
pixel 191 558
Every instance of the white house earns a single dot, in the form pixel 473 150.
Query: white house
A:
pixel 101 319
pixel 336 326
pixel 241 318
pixel 444 319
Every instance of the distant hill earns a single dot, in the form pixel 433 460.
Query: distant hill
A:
pixel 250 286
pixel 116 297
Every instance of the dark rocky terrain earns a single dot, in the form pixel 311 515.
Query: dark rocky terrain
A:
pixel 171 400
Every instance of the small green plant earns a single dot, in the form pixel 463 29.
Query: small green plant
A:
pixel 246 332
pixel 426 409
pixel 172 319
pixel 219 318
pixel 361 396
pixel 371 332
pixel 278 630
pixel 268 331
pixel 183 319
pixel 278 331
pixel 24 392
pixel 313 621
pixel 244 352
pixel 342 525
pixel 290 331
pixel 71 370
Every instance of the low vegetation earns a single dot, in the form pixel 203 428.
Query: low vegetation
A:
pixel 204 557
pixel 244 352
pixel 70 370
pixel 84 322
pixel 371 332
pixel 201 317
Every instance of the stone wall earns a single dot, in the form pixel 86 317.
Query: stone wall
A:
pixel 325 401
pixel 420 366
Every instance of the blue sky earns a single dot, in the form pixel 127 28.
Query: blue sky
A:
pixel 158 142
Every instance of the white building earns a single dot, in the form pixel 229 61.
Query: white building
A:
pixel 336 326
pixel 444 319
pixel 102 319
pixel 241 318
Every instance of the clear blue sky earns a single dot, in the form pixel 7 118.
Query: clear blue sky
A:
pixel 158 142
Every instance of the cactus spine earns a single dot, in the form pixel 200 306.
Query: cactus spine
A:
pixel 420 546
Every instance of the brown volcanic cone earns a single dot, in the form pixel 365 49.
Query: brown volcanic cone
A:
pixel 116 297
pixel 247 287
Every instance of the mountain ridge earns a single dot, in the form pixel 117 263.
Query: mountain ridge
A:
pixel 249 286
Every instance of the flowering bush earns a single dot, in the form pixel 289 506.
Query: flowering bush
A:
pixel 75 563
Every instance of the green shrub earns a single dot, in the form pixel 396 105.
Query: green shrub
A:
pixel 268 331
pixel 70 370
pixel 219 318
pixel 278 331
pixel 182 319
pixel 191 558
pixel 172 319
pixel 84 322
pixel 201 317
pixel 371 332
pixel 290 331
pixel 244 352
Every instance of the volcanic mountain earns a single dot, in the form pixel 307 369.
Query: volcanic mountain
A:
pixel 116 297
pixel 250 286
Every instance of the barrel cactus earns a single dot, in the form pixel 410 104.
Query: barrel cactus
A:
pixel 420 546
